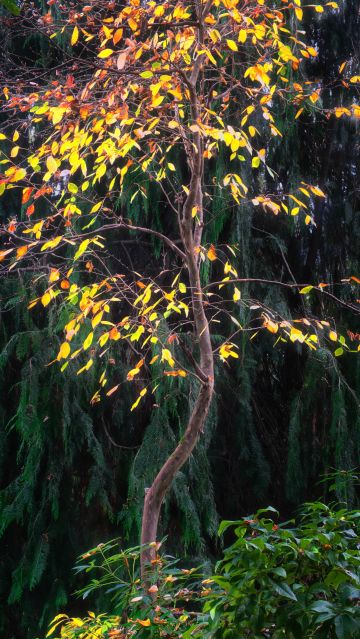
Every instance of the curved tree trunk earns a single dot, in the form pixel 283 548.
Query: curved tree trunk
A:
pixel 162 482
pixel 191 234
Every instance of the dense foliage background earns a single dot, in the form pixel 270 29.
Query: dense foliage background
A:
pixel 72 475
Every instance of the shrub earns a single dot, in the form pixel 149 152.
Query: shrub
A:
pixel 298 580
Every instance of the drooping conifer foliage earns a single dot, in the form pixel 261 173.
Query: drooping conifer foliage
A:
pixel 72 473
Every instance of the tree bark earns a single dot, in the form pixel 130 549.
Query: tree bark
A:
pixel 156 493
pixel 191 234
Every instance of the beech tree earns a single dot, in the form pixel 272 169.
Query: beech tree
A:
pixel 149 95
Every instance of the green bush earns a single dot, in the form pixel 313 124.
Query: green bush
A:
pixel 299 580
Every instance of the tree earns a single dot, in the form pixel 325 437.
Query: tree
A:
pixel 148 98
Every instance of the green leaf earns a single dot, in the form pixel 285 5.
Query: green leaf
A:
pixel 322 606
pixel 284 590
pixel 281 572
pixel 11 6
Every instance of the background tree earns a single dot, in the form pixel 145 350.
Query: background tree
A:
pixel 219 196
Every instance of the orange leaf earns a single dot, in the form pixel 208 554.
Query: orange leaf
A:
pixel 30 210
pixel 112 390
pixel 144 622
pixel 117 35
pixel 64 284
pixel 355 279
pixel 212 253
pixel 22 250
pixel 178 373
pixel 26 194
pixel 271 326
pixel 4 253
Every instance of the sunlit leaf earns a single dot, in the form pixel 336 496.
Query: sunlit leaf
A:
pixel 105 53
pixel 74 36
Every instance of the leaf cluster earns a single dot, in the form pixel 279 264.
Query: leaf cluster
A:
pixel 299 579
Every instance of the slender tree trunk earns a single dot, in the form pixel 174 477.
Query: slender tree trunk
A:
pixel 191 234
pixel 155 494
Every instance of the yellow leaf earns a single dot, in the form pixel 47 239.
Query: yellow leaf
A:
pixel 255 162
pixel 64 351
pixel 74 36
pixel 236 295
pixel 306 290
pixel 81 370
pixel 232 45
pixel 167 357
pixel 171 166
pixel 82 248
pixel 242 36
pixel 54 275
pixel 46 299
pixel 317 191
pixel 105 53
pixel 135 404
pixel 342 67
pixel 57 114
pixel 51 164
pixel 97 319
pixel 18 175
pixel 355 79
pixel 88 341
pixel 157 100
pixel 14 151
pixel 333 336
pixel 51 243
pixel 227 350
pixel 136 336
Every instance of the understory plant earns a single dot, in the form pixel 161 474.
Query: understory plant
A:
pixel 299 580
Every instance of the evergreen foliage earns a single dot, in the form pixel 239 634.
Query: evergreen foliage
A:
pixel 73 474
